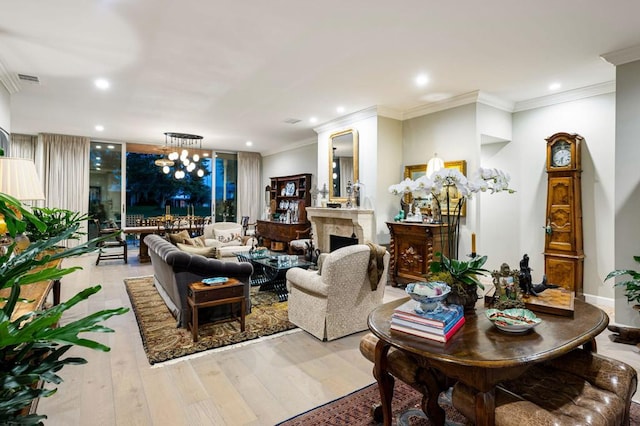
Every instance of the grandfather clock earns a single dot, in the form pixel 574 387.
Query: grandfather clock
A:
pixel 563 246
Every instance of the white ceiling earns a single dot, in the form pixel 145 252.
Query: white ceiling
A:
pixel 235 70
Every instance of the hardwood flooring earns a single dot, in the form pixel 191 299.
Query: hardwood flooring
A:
pixel 259 383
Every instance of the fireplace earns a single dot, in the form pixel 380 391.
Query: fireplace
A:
pixel 341 222
pixel 338 241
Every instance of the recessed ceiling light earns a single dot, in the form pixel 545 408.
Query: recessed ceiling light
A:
pixel 98 146
pixel 340 109
pixel 102 84
pixel 249 143
pixel 98 164
pixel 205 154
pixel 313 120
pixel 422 80
pixel 98 168
pixel 555 86
pixel 99 128
pixel 98 158
pixel 110 146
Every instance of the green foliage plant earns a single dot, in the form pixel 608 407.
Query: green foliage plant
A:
pixel 33 346
pixel 462 273
pixel 56 221
pixel 632 285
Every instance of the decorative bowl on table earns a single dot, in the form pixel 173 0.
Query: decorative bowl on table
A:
pixel 430 295
pixel 515 320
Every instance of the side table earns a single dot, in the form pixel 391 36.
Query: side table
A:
pixel 200 295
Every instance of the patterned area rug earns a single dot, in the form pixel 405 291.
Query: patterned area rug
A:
pixel 355 409
pixel 163 341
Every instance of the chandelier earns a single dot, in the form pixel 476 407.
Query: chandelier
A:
pixel 176 154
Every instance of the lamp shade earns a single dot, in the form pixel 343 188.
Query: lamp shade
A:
pixel 18 178
pixel 434 165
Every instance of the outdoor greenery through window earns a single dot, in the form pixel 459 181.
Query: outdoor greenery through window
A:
pixel 150 192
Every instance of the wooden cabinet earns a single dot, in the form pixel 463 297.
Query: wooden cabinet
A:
pixel 290 194
pixel 413 248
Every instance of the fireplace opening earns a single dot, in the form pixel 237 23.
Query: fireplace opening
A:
pixel 337 241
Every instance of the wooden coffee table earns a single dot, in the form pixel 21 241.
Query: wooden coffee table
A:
pixel 479 355
pixel 200 295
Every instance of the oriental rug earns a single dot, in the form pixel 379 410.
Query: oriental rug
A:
pixel 163 341
pixel 355 409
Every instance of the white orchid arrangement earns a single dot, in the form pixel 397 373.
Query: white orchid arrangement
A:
pixel 438 186
pixel 485 180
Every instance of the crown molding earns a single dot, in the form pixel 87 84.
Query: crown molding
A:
pixel 390 113
pixel 568 96
pixel 348 119
pixel 496 102
pixel 9 80
pixel 622 56
pixel 290 147
pixel 453 102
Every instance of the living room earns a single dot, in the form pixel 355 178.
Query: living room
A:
pixel 120 387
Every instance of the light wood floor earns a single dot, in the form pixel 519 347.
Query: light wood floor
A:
pixel 260 383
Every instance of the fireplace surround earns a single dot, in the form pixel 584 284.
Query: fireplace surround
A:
pixel 341 222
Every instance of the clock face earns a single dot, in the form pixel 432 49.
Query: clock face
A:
pixel 561 154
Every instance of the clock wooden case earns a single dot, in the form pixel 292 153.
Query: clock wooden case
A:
pixel 563 248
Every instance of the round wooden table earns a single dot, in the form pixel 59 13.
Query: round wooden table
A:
pixel 479 355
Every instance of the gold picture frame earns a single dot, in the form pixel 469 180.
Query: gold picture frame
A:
pixel 417 170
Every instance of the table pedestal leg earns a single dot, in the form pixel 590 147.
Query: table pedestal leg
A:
pixel 143 254
pixel 486 408
pixel 436 414
pixel 385 380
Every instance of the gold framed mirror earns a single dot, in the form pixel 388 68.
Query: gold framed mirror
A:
pixel 343 163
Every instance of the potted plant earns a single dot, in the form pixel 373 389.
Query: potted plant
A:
pixel 55 220
pixel 32 346
pixel 462 277
pixel 632 285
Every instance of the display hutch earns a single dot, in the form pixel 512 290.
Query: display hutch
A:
pixel 289 196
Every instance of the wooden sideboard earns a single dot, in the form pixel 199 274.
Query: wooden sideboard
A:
pixel 279 232
pixel 413 247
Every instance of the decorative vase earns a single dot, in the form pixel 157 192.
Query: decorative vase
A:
pixel 464 295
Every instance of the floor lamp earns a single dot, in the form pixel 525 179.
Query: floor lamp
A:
pixel 18 178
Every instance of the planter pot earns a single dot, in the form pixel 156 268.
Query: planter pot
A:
pixel 464 295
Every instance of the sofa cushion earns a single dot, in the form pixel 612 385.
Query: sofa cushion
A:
pixel 202 251
pixel 179 237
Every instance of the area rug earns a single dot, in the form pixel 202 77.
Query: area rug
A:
pixel 163 341
pixel 355 409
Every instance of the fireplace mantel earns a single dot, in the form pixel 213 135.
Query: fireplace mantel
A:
pixel 343 222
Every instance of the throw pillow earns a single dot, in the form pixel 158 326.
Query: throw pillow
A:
pixel 229 238
pixel 202 251
pixel 196 242
pixel 179 237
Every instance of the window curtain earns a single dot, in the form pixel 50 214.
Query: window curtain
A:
pixel 248 191
pixel 65 161
pixel 26 146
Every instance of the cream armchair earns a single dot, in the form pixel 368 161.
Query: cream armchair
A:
pixel 336 300
pixel 227 238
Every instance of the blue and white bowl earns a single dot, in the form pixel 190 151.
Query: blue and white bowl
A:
pixel 429 294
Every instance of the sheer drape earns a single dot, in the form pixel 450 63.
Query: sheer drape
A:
pixel 249 193
pixel 24 146
pixel 66 172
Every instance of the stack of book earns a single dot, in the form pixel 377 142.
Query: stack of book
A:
pixel 438 326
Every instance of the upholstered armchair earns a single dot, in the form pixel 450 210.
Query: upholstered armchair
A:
pixel 336 300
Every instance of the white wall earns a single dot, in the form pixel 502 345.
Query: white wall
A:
pixel 389 157
pixel 452 134
pixel 627 182
pixel 293 162
pixel 593 118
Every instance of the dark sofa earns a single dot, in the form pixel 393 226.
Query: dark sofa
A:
pixel 174 270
